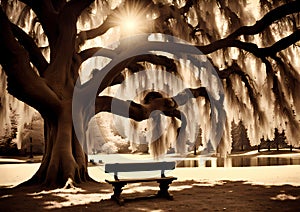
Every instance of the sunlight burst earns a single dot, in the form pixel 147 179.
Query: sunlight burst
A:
pixel 130 24
pixel 132 19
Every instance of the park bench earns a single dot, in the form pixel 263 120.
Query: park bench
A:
pixel 118 184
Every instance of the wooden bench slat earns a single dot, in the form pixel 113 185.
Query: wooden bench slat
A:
pixel 135 167
pixel 137 180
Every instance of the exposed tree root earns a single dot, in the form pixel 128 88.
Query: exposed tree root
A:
pixel 69 184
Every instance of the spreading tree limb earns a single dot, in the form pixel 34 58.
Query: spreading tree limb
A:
pixel 268 19
pixel 252 48
pixel 45 11
pixel 75 7
pixel 23 82
pixel 35 54
pixel 140 112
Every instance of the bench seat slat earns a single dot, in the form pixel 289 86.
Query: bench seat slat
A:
pixel 137 180
pixel 135 167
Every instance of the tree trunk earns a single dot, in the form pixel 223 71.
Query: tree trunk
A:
pixel 64 161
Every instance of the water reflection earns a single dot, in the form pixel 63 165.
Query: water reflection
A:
pixel 238 162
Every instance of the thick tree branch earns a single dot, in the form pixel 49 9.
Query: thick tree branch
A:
pixel 47 16
pixel 282 44
pixel 136 112
pixel 131 63
pixel 35 54
pixel 252 48
pixel 75 7
pixel 220 44
pixel 58 4
pixel 30 3
pixel 116 69
pixel 159 60
pixel 23 82
pixel 92 52
pixel 268 19
pixel 151 58
pixel 98 31
pixel 154 59
pixel 130 109
pixel 140 112
pixel 260 25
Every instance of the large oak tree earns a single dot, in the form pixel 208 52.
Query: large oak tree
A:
pixel 47 84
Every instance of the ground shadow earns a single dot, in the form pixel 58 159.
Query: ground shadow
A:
pixel 188 196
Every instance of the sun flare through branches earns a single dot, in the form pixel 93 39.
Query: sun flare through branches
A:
pixel 132 19
pixel 130 23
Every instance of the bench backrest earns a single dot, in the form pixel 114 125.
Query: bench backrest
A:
pixel 136 167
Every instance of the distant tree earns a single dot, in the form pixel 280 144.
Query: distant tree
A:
pixel 280 139
pixel 240 140
pixel 7 146
pixel 278 142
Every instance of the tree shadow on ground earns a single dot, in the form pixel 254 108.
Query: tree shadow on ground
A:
pixel 188 196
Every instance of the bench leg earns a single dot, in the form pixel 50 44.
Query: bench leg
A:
pixel 163 192
pixel 117 193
